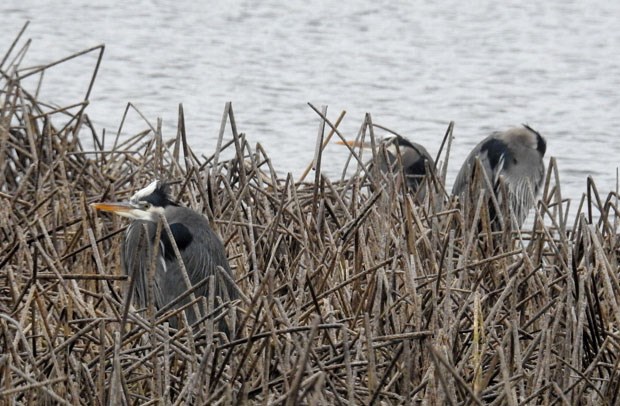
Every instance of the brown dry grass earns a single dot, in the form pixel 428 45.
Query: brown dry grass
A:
pixel 351 293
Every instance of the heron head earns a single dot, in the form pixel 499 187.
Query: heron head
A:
pixel 540 143
pixel 146 204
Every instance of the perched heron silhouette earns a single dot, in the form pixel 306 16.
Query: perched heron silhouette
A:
pixel 201 250
pixel 514 157
pixel 401 154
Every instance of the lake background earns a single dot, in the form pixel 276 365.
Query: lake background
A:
pixel 415 66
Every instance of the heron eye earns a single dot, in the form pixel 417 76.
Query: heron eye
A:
pixel 146 205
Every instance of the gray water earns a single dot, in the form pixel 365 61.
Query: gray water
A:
pixel 414 66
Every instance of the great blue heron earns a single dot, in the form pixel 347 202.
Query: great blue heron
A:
pixel 200 249
pixel 515 157
pixel 413 157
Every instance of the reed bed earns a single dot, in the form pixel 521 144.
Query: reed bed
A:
pixel 352 292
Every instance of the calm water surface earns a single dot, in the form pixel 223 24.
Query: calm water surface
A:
pixel 413 65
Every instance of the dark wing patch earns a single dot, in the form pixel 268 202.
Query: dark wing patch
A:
pixel 418 168
pixel 495 149
pixel 182 236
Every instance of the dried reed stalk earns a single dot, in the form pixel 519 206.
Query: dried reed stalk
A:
pixel 351 292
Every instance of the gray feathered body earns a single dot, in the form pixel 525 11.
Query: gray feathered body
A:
pixel 201 251
pixel 515 157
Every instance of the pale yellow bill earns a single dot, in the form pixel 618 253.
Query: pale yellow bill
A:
pixel 112 207
pixel 354 143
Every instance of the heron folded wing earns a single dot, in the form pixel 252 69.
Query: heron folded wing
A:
pixel 182 237
pixel 495 151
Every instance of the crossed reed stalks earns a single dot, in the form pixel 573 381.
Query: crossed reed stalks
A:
pixel 352 292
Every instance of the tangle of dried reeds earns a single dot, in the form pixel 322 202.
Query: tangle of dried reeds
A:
pixel 351 292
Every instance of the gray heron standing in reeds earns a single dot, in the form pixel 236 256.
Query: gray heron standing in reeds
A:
pixel 201 250
pixel 513 162
pixel 396 153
